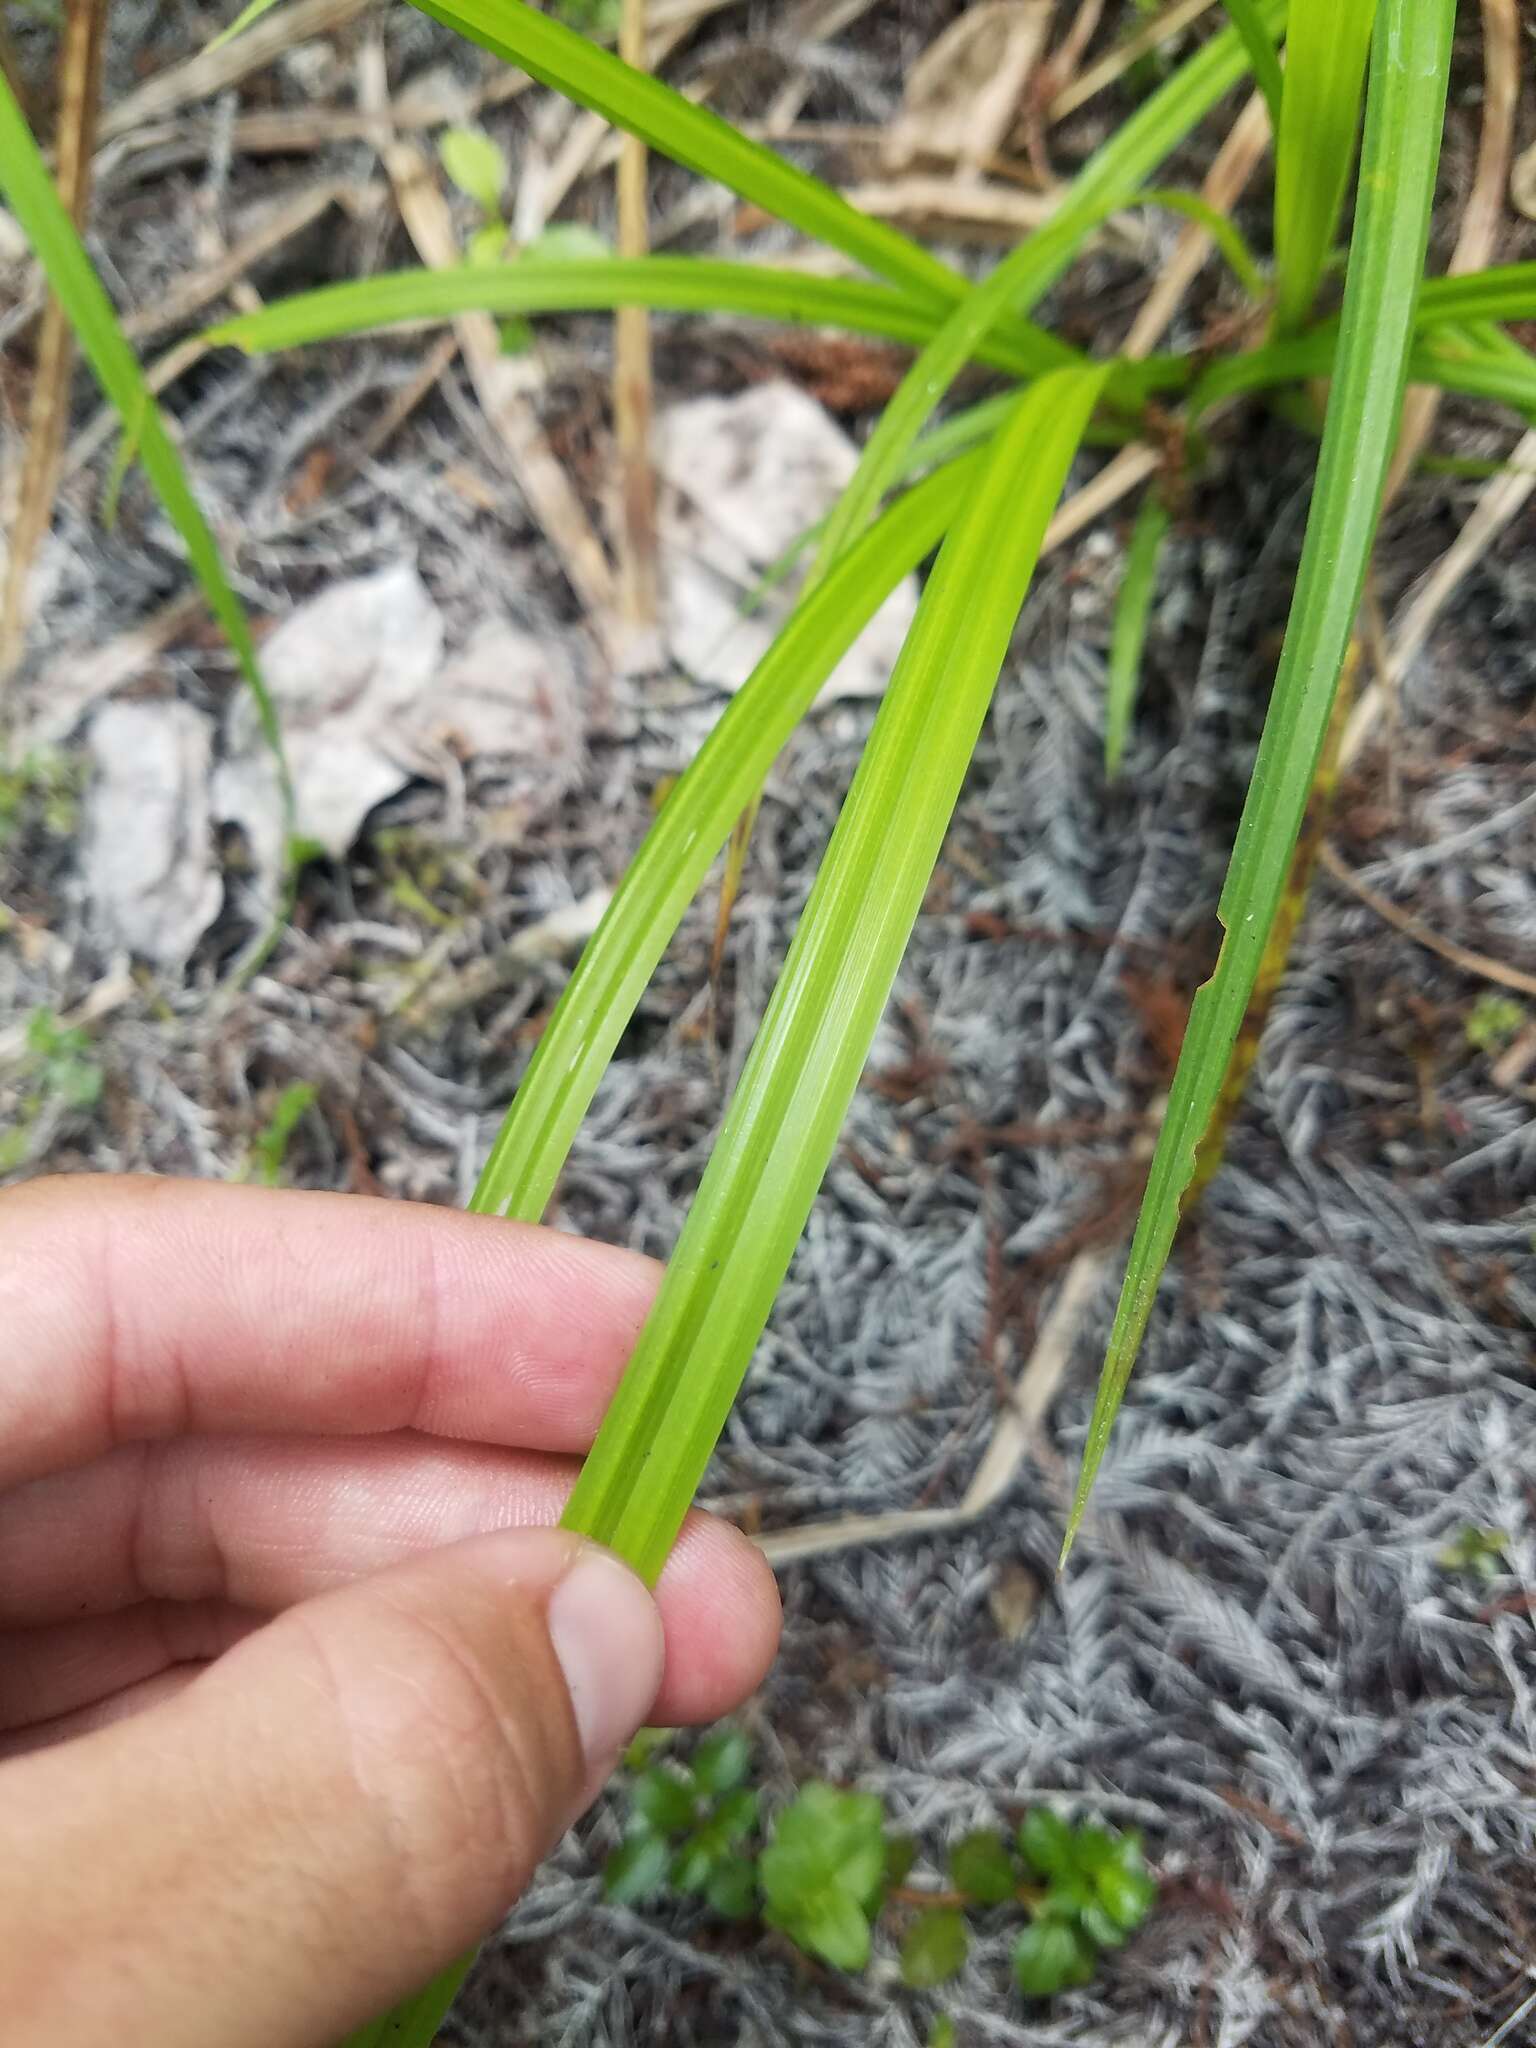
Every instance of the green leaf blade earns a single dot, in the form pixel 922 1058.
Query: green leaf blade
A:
pixel 665 284
pixel 691 135
pixel 1326 47
pixel 1260 45
pixel 72 277
pixel 1404 111
pixel 1111 177
pixel 782 1126
pixel 610 977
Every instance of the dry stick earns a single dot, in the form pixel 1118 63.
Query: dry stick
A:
pixel 213 71
pixel 1485 205
pixel 1479 964
pixel 205 285
pixel 992 213
pixel 1116 62
pixel 632 388
pixel 504 385
pixel 1063 62
pixel 1497 505
pixel 48 415
pixel 1231 168
pixel 1012 1440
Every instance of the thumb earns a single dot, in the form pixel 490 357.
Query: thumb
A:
pixel 319 1823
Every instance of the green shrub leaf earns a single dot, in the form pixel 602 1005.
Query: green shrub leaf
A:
pixel 636 1870
pixel 732 1891
pixel 664 1801
pixel 1405 112
pixel 1050 1956
pixel 980 1864
pixel 1127 1896
pixel 476 165
pixel 721 1761
pixel 823 1872
pixel 1046 1842
pixel 935 1948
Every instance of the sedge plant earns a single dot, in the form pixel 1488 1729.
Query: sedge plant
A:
pixel 1362 79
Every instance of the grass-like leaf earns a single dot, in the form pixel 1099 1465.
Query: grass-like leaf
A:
pixel 1506 292
pixel 665 284
pixel 246 18
pixel 693 824
pixel 1449 358
pixel 1267 76
pixel 557 56
pixel 782 1125
pixel 1112 176
pixel 25 182
pixel 1282 933
pixel 1326 46
pixel 1405 111
pixel 1133 606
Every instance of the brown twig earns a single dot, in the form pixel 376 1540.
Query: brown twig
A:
pixel 48 417
pixel 1478 964
pixel 213 71
pixel 1116 62
pixel 1497 505
pixel 504 385
pixel 1231 168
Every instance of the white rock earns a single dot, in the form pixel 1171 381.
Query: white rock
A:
pixel 147 844
pixel 743 478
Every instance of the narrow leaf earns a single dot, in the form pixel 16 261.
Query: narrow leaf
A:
pixel 666 284
pixel 1506 292
pixel 1282 933
pixel 1404 115
pixel 1260 45
pixel 782 1126
pixel 1326 46
pixel 557 56
pixel 29 191
pixel 1111 176
pixel 246 18
pixel 661 881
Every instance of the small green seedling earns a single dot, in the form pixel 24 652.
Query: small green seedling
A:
pixel 1097 1892
pixel 43 788
pixel 1493 1021
pixel 476 165
pixel 830 1868
pixel 1478 1552
pixel 824 1873
pixel 57 1071
pixel 61 1060
pixel 688 1828
pixel 269 1148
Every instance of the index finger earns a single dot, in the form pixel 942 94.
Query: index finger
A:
pixel 134 1309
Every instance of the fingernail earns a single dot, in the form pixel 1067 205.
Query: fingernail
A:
pixel 607 1635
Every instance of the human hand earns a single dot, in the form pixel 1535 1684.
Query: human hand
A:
pixel 297 1683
